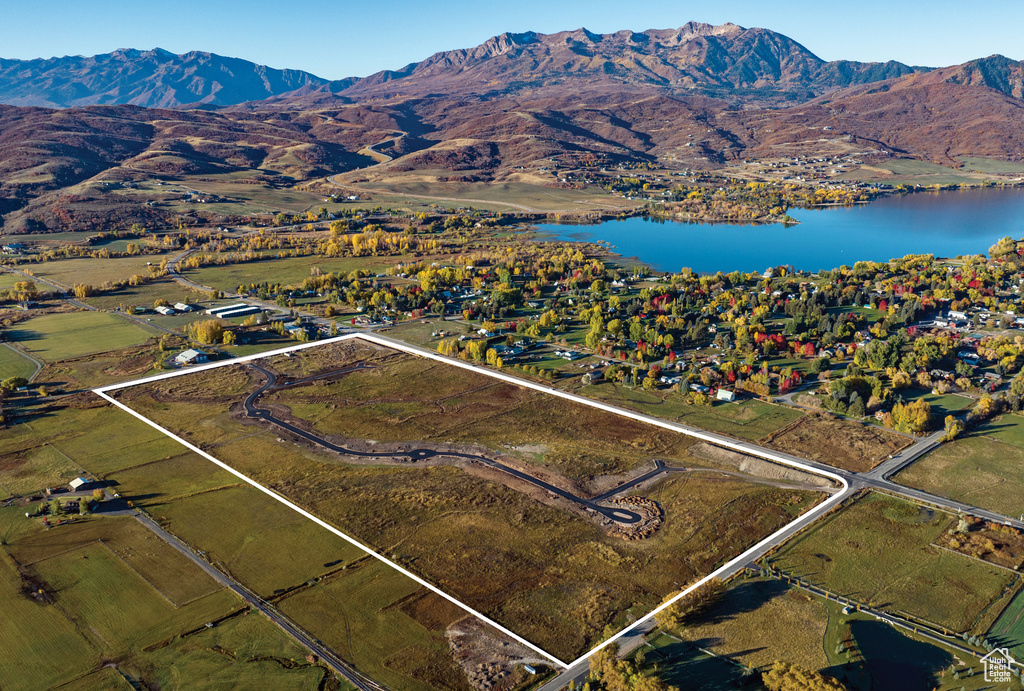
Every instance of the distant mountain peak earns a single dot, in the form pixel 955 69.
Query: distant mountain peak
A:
pixel 151 78
pixel 723 60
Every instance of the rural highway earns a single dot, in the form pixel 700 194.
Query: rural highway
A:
pixel 174 273
pixel 303 638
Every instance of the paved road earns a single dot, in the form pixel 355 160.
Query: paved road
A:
pixel 619 515
pixel 873 480
pixel 37 363
pixel 64 293
pixel 901 460
pixel 304 639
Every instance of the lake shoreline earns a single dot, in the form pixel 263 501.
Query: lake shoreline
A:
pixel 826 237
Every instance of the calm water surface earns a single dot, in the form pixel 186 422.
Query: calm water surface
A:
pixel 945 224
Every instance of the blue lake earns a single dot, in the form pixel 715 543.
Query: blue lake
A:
pixel 946 224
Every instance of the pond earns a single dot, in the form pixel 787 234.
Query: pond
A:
pixel 946 224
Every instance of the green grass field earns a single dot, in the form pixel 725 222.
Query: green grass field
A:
pixel 40 646
pixel 179 476
pixel 15 364
pixel 942 404
pixel 533 196
pixel 117 608
pixel 95 272
pixel 264 544
pixel 107 608
pixel 286 271
pixel 55 446
pixel 55 337
pixel 1008 630
pixel 247 651
pixel 984 469
pixel 145 295
pixel 878 551
pixel 169 573
pixel 911 171
pixel 992 166
pixel 759 621
pixel 355 614
pixel 750 419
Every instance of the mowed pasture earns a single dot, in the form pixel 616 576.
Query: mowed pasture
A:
pixel 173 576
pixel 40 646
pixel 265 545
pixel 15 364
pixel 524 194
pixel 362 614
pixel 750 420
pixel 1008 629
pixel 284 270
pixel 54 337
pixel 92 271
pixel 118 609
pixel 244 652
pixel 330 588
pixel 878 550
pixel 56 444
pixel 443 522
pixel 985 468
pixel 115 591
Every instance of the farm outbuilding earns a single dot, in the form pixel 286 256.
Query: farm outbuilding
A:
pixel 190 357
pixel 80 484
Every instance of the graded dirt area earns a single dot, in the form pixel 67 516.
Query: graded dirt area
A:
pixel 840 443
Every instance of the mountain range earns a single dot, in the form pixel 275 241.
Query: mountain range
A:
pixel 698 96
pixel 725 60
pixel 153 78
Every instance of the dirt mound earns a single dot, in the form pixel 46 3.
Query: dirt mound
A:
pixel 491 661
pixel 755 466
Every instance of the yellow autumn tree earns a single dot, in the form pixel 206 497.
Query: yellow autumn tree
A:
pixel 784 676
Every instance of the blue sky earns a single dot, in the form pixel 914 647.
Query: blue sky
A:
pixel 345 38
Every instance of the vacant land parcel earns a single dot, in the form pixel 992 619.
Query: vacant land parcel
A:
pixel 529 508
pixel 985 468
pixel 880 551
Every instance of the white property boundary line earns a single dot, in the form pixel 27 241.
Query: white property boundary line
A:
pixel 389 343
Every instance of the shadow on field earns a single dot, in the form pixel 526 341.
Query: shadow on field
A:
pixel 684 666
pixel 18 335
pixel 746 597
pixel 892 661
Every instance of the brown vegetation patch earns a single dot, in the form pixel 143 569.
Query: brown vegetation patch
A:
pixel 430 609
pixel 838 443
pixel 985 540
pixel 433 666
